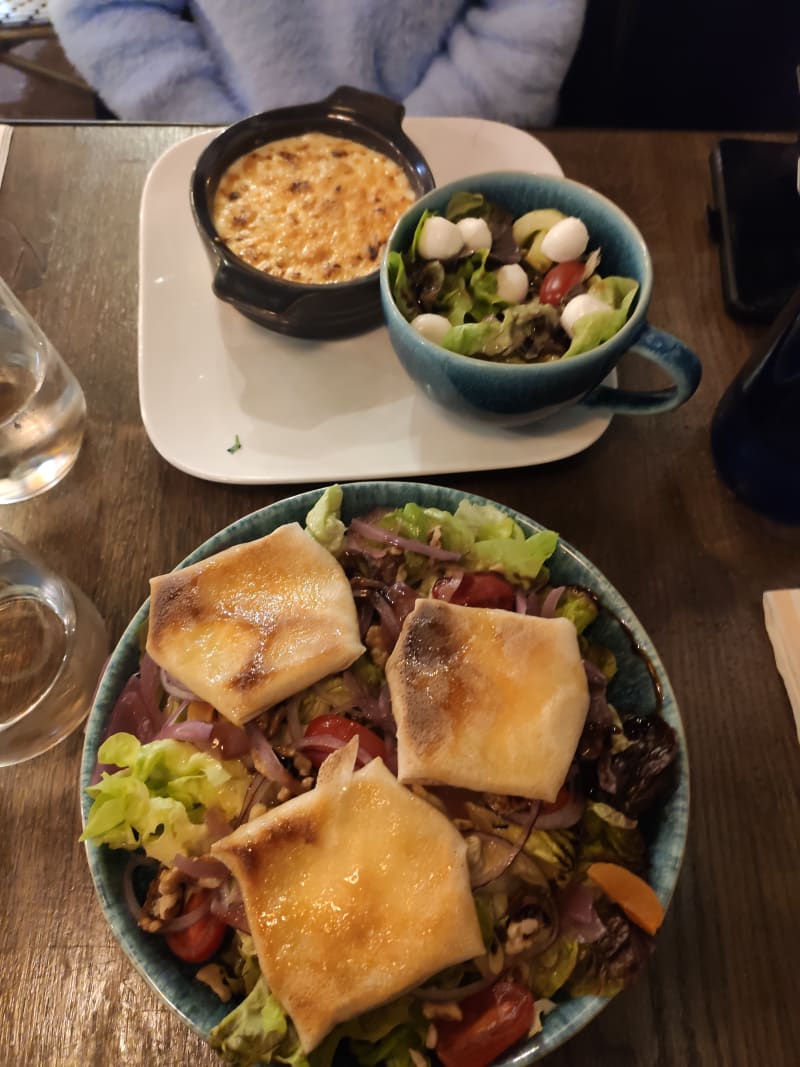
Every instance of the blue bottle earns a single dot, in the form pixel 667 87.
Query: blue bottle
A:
pixel 755 432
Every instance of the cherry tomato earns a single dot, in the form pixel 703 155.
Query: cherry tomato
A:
pixel 480 589
pixel 198 942
pixel 559 280
pixel 343 729
pixel 492 1021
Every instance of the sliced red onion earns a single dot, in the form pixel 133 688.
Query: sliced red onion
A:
pixel 200 868
pixel 174 687
pixel 136 712
pixel 567 815
pixel 377 710
pixel 327 743
pixel 198 733
pixel 533 608
pixel 229 740
pixel 227 904
pixel 599 712
pixel 377 533
pixel 594 675
pixel 577 916
pixel 402 598
pixel 188 918
pixel 550 602
pixel 151 685
pixel 266 761
pixel 445 588
pixel 520 602
pixel 390 621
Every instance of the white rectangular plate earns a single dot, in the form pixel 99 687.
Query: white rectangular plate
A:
pixel 309 411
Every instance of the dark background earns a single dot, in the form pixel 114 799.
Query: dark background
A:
pixel 678 64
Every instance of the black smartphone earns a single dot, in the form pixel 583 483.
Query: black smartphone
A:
pixel 755 217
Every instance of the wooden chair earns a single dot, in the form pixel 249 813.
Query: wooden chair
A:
pixel 28 20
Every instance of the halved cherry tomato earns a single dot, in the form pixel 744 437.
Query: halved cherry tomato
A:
pixel 480 589
pixel 491 1022
pixel 559 280
pixel 198 942
pixel 343 729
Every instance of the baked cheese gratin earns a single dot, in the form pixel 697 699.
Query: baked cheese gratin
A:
pixel 311 209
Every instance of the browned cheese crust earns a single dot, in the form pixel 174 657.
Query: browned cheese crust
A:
pixel 255 623
pixel 311 209
pixel 355 893
pixel 487 699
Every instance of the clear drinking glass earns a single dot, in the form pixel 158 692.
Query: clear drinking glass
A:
pixel 53 645
pixel 42 407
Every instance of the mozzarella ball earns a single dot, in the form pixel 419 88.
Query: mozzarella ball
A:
pixel 475 233
pixel 512 283
pixel 581 305
pixel 566 240
pixel 440 239
pixel 432 327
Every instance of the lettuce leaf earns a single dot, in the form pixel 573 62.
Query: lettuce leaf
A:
pixel 577 606
pixel 258 1031
pixel 472 338
pixel 382 1036
pixel 519 561
pixel 323 521
pixel 593 329
pixel 402 289
pixel 158 800
pixel 413 250
pixel 468 290
pixel 609 836
pixel 549 970
pixel 486 522
pixel 464 203
pixel 487 537
pixel 454 299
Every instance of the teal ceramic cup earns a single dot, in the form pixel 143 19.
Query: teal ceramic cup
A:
pixel 513 393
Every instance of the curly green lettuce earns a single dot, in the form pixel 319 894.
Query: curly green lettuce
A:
pixel 487 537
pixel 258 1031
pixel 158 799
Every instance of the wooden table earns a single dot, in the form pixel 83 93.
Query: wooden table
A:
pixel 644 503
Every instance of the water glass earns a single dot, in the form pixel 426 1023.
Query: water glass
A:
pixel 42 407
pixel 53 646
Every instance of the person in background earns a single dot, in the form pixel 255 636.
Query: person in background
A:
pixel 215 61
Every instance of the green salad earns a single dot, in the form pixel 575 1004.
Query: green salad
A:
pixel 483 283
pixel 560 889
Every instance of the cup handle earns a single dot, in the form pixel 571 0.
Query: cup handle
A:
pixel 372 105
pixel 667 352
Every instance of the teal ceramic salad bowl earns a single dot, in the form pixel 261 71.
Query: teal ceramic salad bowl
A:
pixel 641 683
pixel 517 392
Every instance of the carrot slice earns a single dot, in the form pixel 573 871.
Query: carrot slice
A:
pixel 636 898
